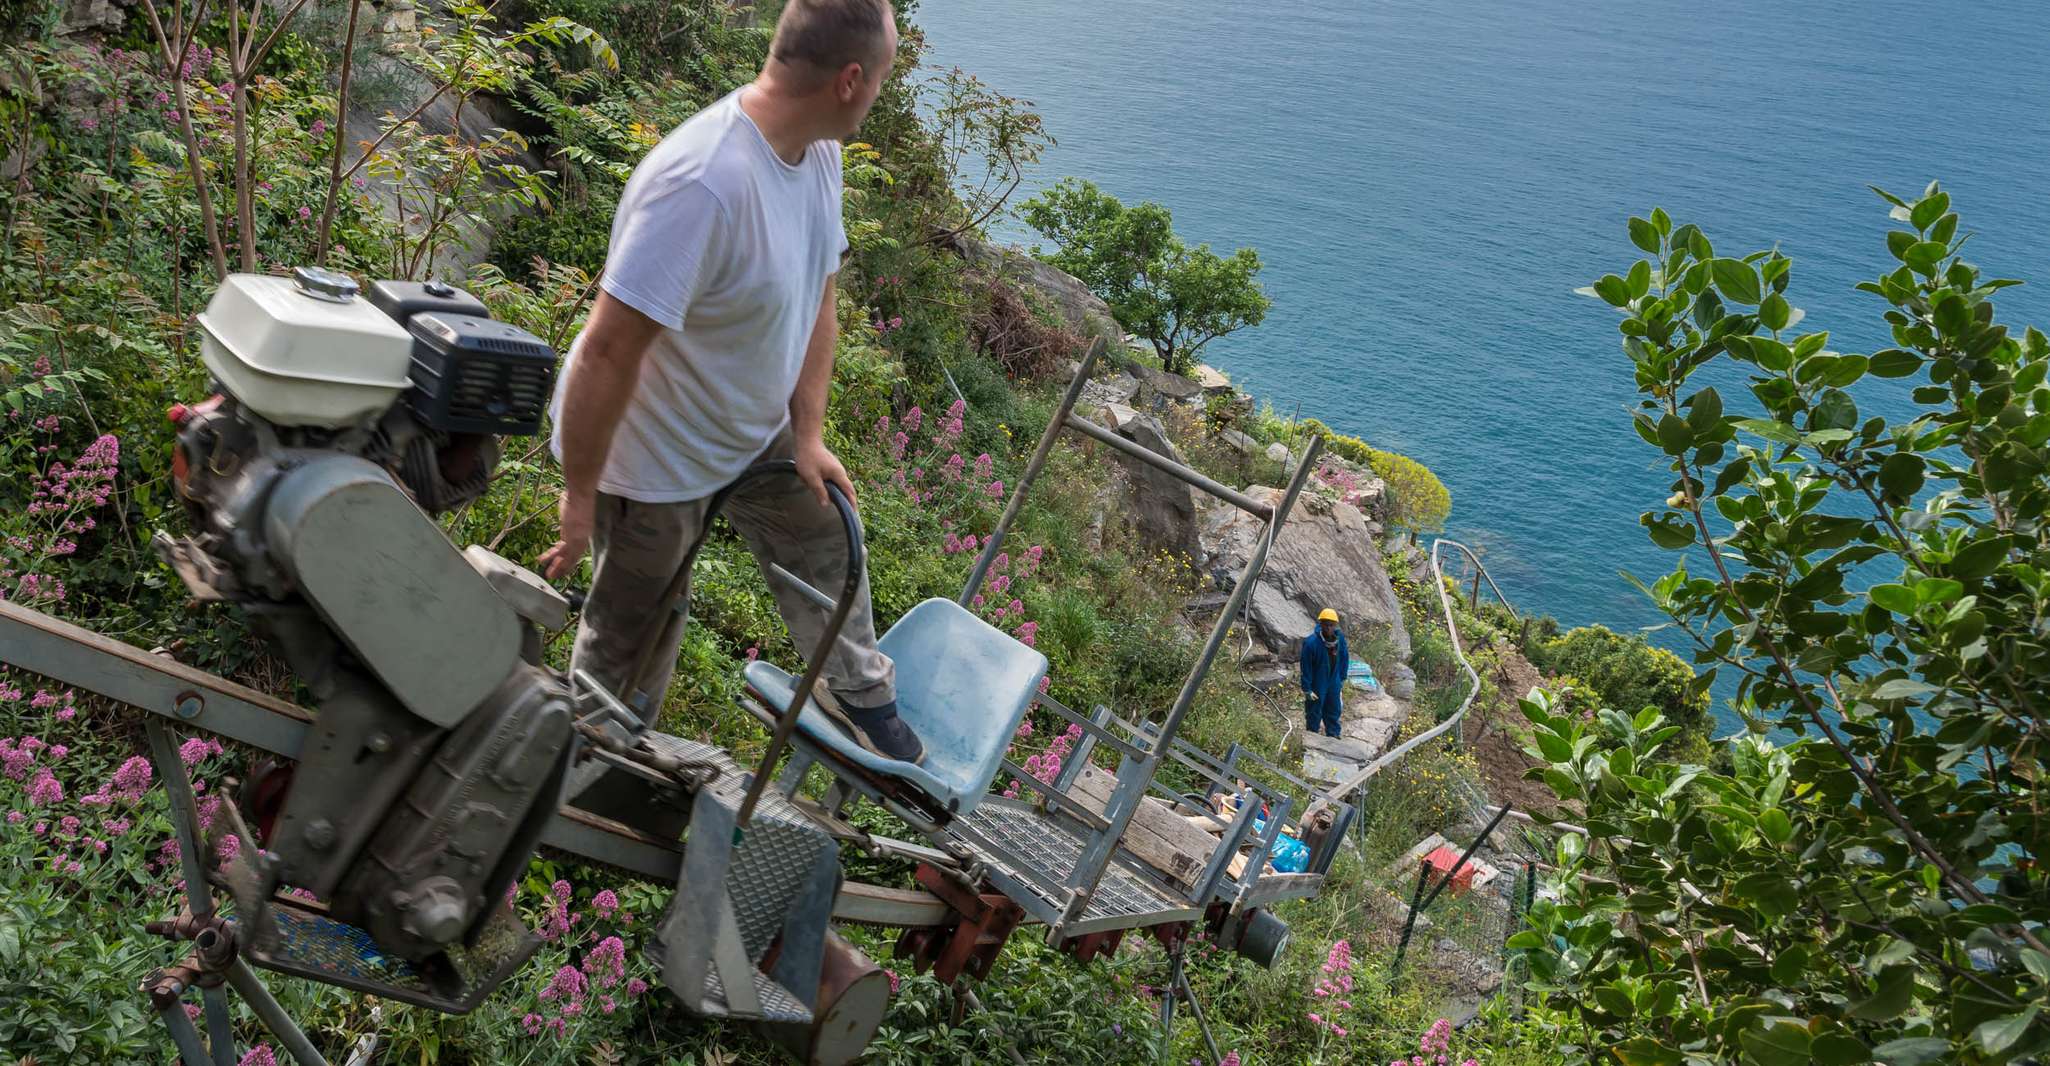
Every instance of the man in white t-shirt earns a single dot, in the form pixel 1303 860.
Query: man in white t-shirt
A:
pixel 710 348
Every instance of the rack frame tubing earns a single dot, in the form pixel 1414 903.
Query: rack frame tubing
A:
pixel 1136 770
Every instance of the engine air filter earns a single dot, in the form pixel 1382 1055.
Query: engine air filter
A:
pixel 477 375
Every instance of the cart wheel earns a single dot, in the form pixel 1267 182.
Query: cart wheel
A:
pixel 854 993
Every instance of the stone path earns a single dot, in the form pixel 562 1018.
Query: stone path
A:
pixel 1370 724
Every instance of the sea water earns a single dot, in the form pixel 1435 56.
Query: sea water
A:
pixel 1427 183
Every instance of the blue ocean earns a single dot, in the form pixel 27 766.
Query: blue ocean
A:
pixel 1428 183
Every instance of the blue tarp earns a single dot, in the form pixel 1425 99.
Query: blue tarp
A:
pixel 1361 673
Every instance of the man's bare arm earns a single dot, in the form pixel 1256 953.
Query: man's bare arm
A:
pixel 816 464
pixel 594 399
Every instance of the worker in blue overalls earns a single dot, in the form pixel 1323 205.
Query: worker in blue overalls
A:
pixel 1324 659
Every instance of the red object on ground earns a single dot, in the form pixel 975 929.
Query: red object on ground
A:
pixel 1442 859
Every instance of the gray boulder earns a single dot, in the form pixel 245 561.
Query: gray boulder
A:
pixel 1119 388
pixel 1082 309
pixel 1324 557
pixel 1160 387
pixel 1240 442
pixel 1159 507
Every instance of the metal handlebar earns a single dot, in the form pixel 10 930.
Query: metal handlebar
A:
pixel 857 565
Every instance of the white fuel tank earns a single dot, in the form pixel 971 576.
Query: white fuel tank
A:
pixel 304 350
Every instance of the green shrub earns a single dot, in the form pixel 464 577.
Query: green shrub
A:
pixel 1626 672
pixel 1417 500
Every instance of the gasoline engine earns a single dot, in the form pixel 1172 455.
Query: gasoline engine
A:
pixel 341 424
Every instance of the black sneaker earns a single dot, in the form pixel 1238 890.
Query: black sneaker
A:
pixel 878 729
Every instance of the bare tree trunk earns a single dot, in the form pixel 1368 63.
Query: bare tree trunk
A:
pixel 334 168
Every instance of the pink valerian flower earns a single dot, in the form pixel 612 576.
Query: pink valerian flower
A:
pixel 198 748
pixel 606 963
pixel 636 987
pixel 115 827
pixel 950 544
pixel 568 985
pixel 67 714
pixel 16 759
pixel 319 128
pixel 894 983
pixel 999 584
pixel 605 903
pixel 985 467
pixel 883 427
pixel 995 490
pixel 754 651
pixel 531 1023
pixel 1231 1058
pixel 1024 728
pixel 133 778
pixel 45 789
pixel 898 442
pixel 1028 634
pixel 976 602
pixel 1001 563
pixel 260 1055
pixel 16 817
pixel 950 471
pixel 912 420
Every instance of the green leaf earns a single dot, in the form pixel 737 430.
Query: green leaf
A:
pixel 1736 279
pixel 1643 234
pixel 1661 221
pixel 1778 432
pixel 1899 599
pixel 1644 1051
pixel 1639 279
pixel 1668 534
pixel 1895 363
pixel 1836 1049
pixel 1898 242
pixel 1902 688
pixel 1772 313
pixel 2000 1034
pixel 1790 964
pixel 1952 314
pixel 1675 436
pixel 1770 354
pixel 1613 289
pixel 1912 1051
pixel 1894 991
pixel 1980 558
pixel 1902 474
pixel 1776 826
pixel 1924 214
pixel 1704 411
pixel 1834 410
pixel 1938 590
pixel 1785 1042
pixel 1923 256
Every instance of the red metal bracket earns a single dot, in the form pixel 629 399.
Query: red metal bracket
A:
pixel 983 924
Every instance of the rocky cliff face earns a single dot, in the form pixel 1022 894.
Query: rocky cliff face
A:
pixel 1325 557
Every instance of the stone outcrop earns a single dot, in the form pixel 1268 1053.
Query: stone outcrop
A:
pixel 1082 309
pixel 1158 387
pixel 1323 558
pixel 1158 506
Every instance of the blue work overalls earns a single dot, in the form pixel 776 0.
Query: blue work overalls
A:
pixel 1323 683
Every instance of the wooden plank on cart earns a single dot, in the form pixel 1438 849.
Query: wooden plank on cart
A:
pixel 1158 836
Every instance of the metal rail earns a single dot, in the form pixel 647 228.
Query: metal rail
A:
pixel 1347 787
pixel 192 698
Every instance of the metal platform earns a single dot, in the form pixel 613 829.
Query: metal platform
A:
pixel 1123 899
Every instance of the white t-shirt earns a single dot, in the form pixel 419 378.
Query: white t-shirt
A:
pixel 728 247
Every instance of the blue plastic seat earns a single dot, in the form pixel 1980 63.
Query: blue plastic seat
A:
pixel 962 685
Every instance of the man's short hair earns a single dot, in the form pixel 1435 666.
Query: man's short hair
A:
pixel 822 36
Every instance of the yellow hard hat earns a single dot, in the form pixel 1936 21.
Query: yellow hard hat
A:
pixel 1329 615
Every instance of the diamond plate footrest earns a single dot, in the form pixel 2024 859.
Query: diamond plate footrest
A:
pixel 742 893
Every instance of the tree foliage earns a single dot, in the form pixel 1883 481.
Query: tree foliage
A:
pixel 1870 890
pixel 1177 297
pixel 1626 672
